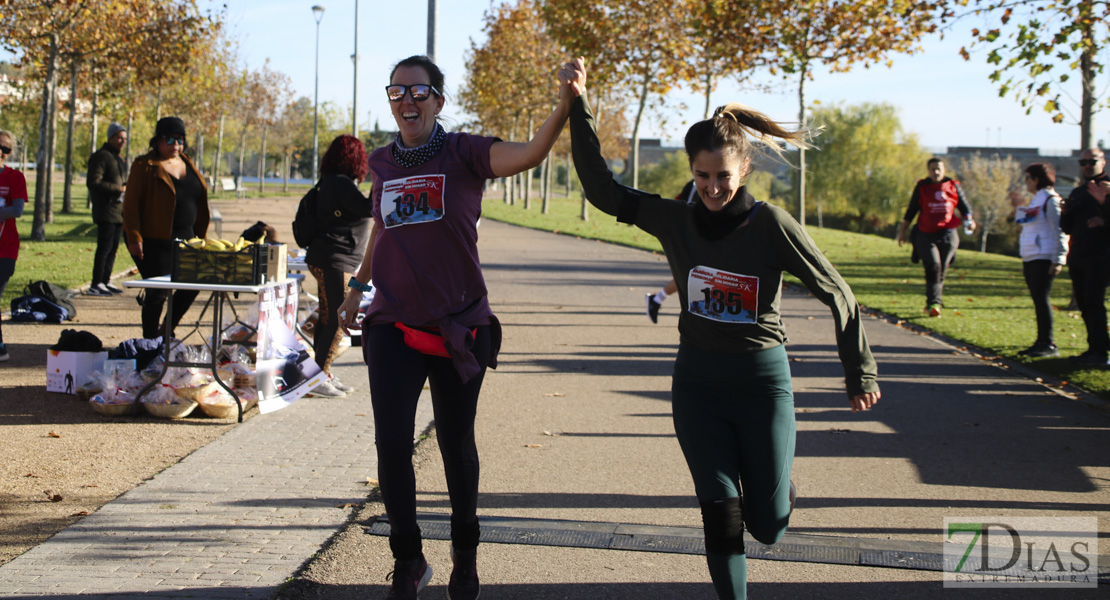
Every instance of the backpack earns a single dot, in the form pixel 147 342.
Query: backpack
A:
pixel 54 294
pixel 306 223
pixel 36 308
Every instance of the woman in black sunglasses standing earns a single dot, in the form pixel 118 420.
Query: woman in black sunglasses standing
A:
pixel 165 199
pixel 430 318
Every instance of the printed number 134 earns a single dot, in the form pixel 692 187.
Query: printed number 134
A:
pixel 408 204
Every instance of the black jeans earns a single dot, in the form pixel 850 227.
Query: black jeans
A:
pixel 1039 277
pixel 1089 278
pixel 397 375
pixel 157 261
pixel 936 251
pixel 107 242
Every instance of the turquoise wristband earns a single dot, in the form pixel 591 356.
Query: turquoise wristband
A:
pixel 360 286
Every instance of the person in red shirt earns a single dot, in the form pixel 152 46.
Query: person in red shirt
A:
pixel 13 195
pixel 934 201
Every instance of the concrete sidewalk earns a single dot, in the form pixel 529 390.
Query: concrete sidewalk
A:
pixel 575 427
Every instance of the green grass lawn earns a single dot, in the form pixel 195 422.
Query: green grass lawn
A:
pixel 986 301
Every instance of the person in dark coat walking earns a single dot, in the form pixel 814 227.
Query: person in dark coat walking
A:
pixel 107 180
pixel 1089 257
pixel 343 214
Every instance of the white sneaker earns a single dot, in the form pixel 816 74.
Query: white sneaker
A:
pixel 327 390
pixel 339 385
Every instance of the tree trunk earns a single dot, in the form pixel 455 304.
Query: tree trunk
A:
pixel 1087 71
pixel 127 154
pixel 512 178
pixel 528 172
pixel 158 106
pixel 42 170
pixel 547 161
pixel 801 192
pixel 285 172
pixel 52 131
pixel 242 151
pixel 219 147
pixel 570 165
pixel 262 164
pixel 636 131
pixel 200 153
pixel 67 198
pixel 93 131
pixel 708 88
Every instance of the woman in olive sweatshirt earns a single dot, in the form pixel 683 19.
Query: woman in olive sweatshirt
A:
pixel 732 400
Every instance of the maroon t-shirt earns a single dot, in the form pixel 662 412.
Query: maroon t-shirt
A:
pixel 425 264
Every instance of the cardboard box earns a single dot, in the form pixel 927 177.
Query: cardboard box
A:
pixel 66 371
pixel 277 258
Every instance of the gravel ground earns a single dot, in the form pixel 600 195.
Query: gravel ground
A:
pixel 61 460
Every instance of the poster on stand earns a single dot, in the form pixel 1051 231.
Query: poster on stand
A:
pixel 284 370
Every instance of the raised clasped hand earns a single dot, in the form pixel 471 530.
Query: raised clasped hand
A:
pixel 573 76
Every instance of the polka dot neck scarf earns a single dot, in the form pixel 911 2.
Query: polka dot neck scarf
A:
pixel 414 157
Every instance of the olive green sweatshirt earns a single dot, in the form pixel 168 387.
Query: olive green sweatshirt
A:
pixel 729 277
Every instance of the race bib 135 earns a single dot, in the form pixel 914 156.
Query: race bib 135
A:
pixel 722 296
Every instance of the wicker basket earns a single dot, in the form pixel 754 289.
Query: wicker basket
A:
pixel 245 267
pixel 86 394
pixel 115 410
pixel 196 392
pixel 219 411
pixel 176 410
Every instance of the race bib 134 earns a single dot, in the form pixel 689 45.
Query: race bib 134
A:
pixel 412 200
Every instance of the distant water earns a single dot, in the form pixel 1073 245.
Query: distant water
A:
pixel 269 180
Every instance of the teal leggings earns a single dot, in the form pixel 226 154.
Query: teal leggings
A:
pixel 734 417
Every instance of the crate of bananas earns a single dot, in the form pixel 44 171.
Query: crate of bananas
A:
pixel 219 261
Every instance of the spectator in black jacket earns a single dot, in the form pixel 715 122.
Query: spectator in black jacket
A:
pixel 107 180
pixel 343 217
pixel 1089 258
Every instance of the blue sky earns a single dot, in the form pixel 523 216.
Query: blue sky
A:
pixel 944 99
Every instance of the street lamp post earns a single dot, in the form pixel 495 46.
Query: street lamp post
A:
pixel 354 99
pixel 318 13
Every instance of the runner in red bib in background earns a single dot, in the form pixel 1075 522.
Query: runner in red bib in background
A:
pixel 934 201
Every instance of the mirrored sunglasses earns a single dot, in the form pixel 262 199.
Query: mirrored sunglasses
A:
pixel 174 139
pixel 5 150
pixel 1087 162
pixel 419 92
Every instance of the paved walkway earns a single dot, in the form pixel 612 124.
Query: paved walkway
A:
pixel 575 426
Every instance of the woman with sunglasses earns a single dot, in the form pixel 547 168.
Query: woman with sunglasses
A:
pixel 165 199
pixel 430 318
pixel 13 196
pixel 732 401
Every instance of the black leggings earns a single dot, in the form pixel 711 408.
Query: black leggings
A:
pixel 1038 277
pixel 107 242
pixel 330 283
pixel 397 375
pixel 157 261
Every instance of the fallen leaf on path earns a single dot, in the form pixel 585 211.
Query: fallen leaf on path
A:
pixel 552 434
pixel 371 481
pixel 533 445
pixel 347 505
pixel 555 394
pixel 90 485
pixel 32 475
pixel 54 434
pixel 52 496
pixel 81 513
